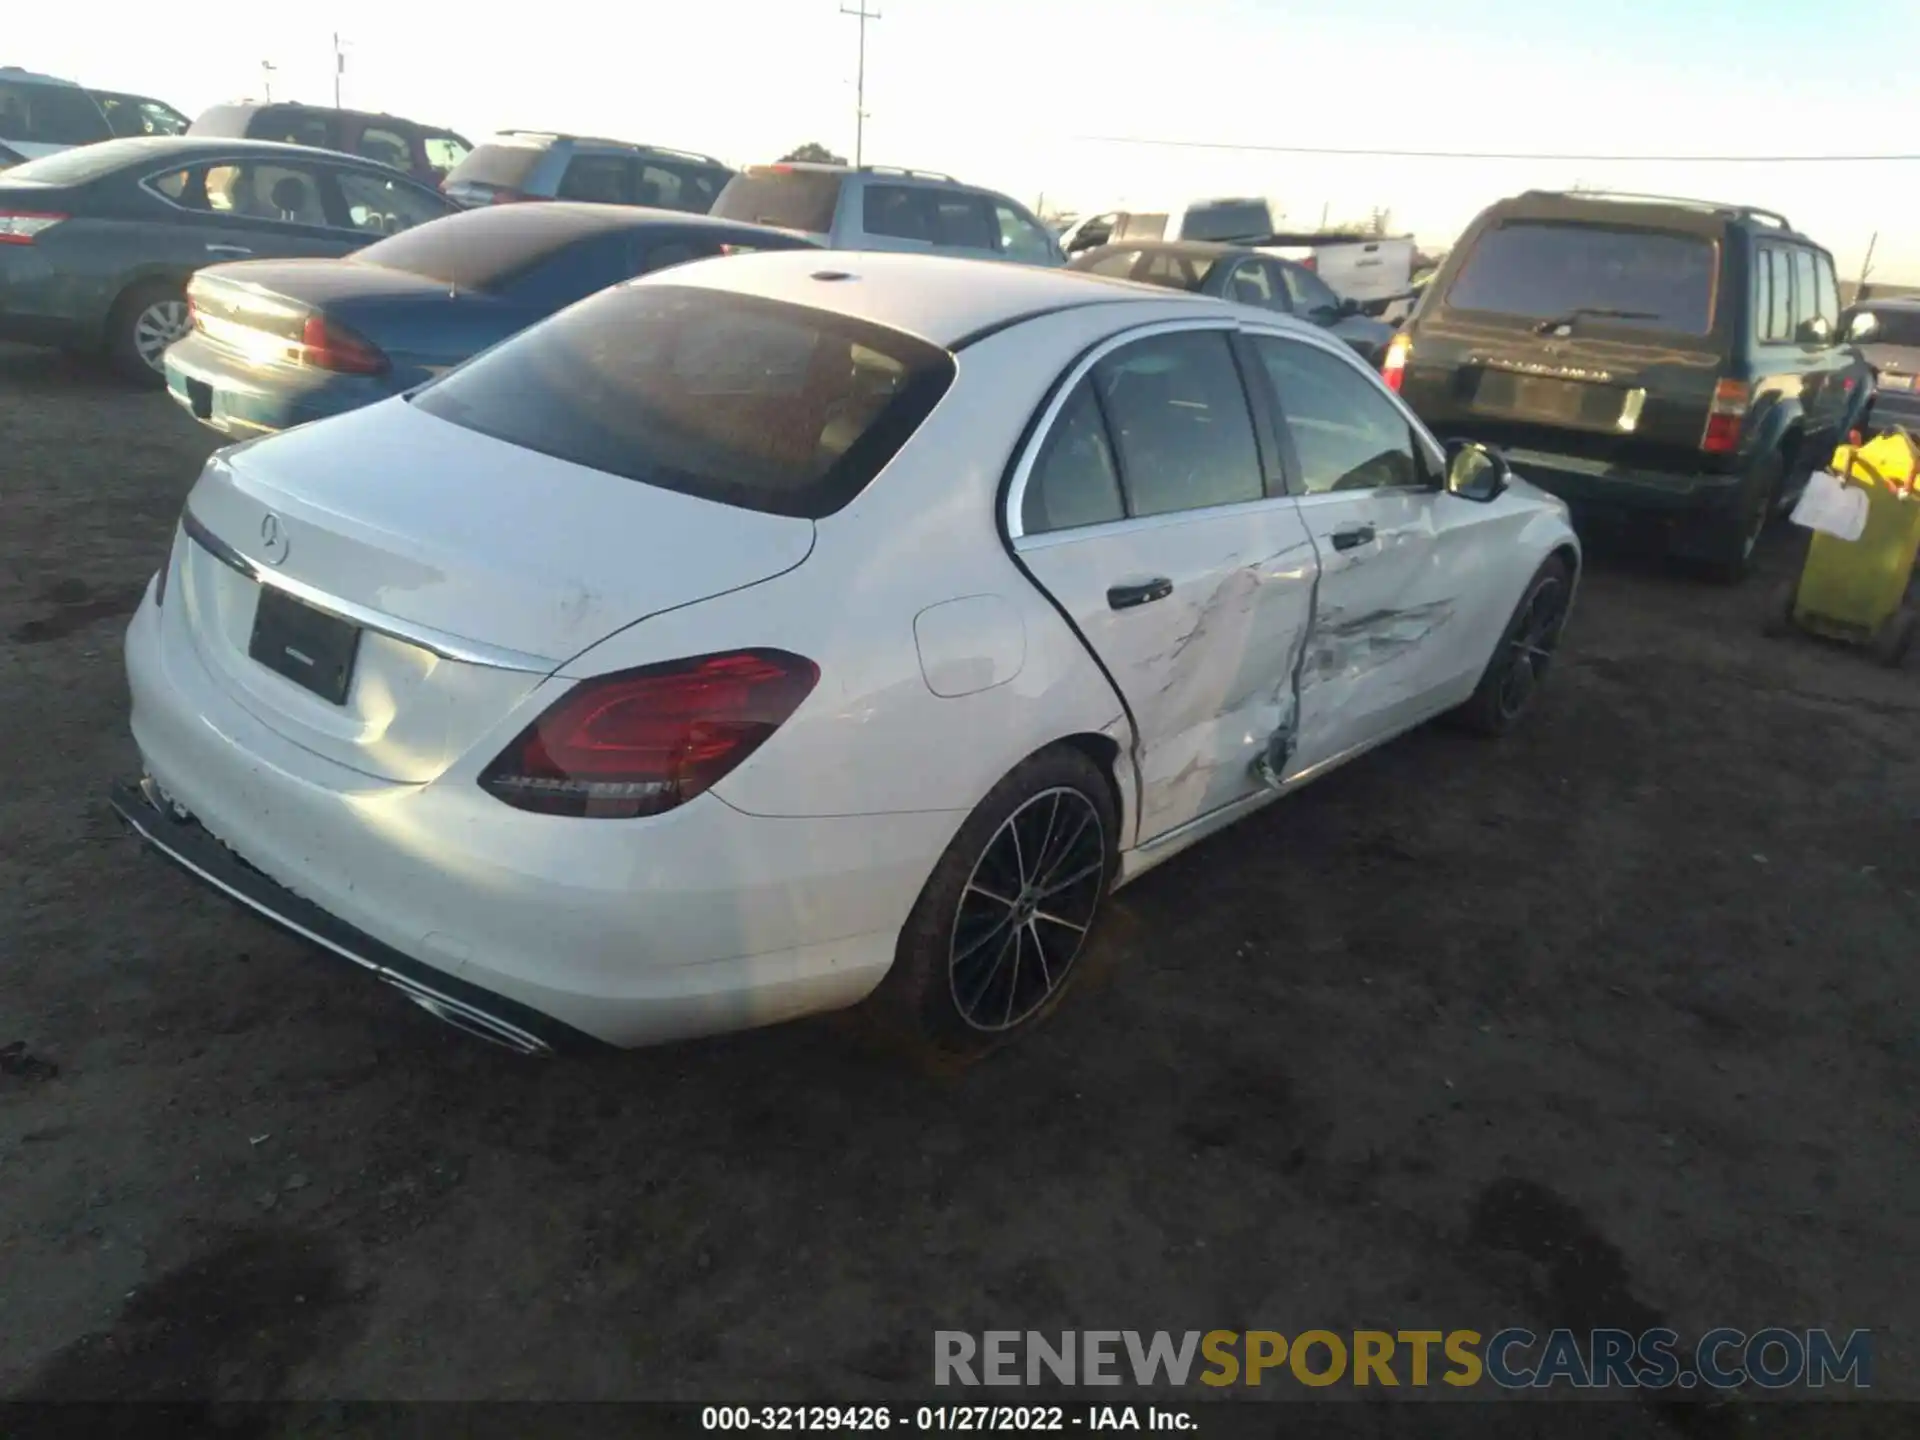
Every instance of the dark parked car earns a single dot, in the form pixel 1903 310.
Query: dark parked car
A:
pixel 276 343
pixel 1234 272
pixel 426 152
pixel 139 114
pixel 1887 334
pixel 1676 364
pixel 518 165
pixel 97 243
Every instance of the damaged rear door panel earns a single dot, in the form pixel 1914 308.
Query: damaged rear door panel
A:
pixel 1152 518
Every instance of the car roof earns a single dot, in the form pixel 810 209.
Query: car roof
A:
pixel 168 147
pixel 28 77
pixel 581 218
pixel 940 298
pixel 531 139
pixel 1703 217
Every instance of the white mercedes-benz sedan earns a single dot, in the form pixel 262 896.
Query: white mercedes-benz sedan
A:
pixel 788 631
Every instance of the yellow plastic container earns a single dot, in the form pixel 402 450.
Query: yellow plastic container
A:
pixel 1856 590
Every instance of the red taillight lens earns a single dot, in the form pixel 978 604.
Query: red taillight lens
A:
pixel 1312 262
pixel 20 227
pixel 329 346
pixel 643 741
pixel 1725 417
pixel 1393 367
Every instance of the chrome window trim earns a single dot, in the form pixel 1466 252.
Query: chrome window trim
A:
pixel 437 642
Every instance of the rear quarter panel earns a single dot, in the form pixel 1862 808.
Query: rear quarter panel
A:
pixel 874 737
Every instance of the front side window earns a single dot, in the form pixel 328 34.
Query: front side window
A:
pixel 444 152
pixel 1826 293
pixel 1251 284
pixel 257 190
pixel 1805 301
pixel 388 147
pixel 1347 434
pixel 732 398
pixel 381 206
pixel 1020 238
pixel 1313 299
pixel 1180 423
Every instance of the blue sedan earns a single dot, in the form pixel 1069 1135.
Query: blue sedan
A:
pixel 276 343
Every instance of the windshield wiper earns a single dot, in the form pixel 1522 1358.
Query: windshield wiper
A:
pixel 1592 312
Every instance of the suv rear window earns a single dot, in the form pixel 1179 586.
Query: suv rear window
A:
pixel 1646 279
pixel 1227 220
pixel 733 398
pixel 50 115
pixel 788 199
pixel 505 167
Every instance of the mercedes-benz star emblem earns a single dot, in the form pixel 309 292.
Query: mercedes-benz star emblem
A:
pixel 273 540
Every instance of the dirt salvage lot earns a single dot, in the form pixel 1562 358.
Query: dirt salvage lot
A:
pixel 1612 1023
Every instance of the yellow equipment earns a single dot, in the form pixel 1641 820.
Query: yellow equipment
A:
pixel 1856 590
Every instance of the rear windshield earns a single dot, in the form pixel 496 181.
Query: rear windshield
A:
pixel 789 199
pixel 1645 279
pixel 50 115
pixel 481 249
pixel 1896 327
pixel 505 167
pixel 733 398
pixel 1227 220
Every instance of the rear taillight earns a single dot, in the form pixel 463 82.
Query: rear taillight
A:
pixel 1312 262
pixel 330 346
pixel 20 227
pixel 1725 417
pixel 1393 366
pixel 644 741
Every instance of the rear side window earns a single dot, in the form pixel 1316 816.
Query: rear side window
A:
pixel 1540 270
pixel 294 128
pixel 963 220
pixel 50 115
pixel 1180 423
pixel 1176 272
pixel 1075 481
pixel 1776 285
pixel 603 179
pixel 788 199
pixel 1806 300
pixel 691 188
pixel 504 167
pixel 732 398
pixel 1022 238
pixel 1826 292
pixel 897 211
pixel 389 147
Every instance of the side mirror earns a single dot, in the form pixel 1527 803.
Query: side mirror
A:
pixel 1348 307
pixel 1864 326
pixel 1476 472
pixel 1817 331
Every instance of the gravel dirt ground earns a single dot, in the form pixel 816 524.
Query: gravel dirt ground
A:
pixel 1611 1023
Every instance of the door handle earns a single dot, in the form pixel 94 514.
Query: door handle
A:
pixel 1139 592
pixel 228 250
pixel 1353 538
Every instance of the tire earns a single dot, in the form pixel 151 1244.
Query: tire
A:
pixel 1513 677
pixel 1895 638
pixel 1777 620
pixel 957 989
pixel 1732 560
pixel 144 320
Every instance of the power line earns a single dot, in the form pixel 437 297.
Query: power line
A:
pixel 1507 155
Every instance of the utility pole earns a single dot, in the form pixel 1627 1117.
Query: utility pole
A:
pixel 863 15
pixel 266 80
pixel 1866 269
pixel 339 68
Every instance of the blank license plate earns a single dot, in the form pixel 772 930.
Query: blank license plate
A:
pixel 1544 397
pixel 1896 382
pixel 313 649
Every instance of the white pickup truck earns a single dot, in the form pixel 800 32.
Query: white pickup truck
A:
pixel 1375 272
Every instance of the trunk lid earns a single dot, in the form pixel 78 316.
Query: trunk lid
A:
pixel 472 567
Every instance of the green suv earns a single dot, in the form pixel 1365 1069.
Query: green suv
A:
pixel 1676 366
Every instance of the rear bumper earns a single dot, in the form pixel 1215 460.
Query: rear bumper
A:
pixel 1691 514
pixel 699 921
pixel 187 844
pixel 240 399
